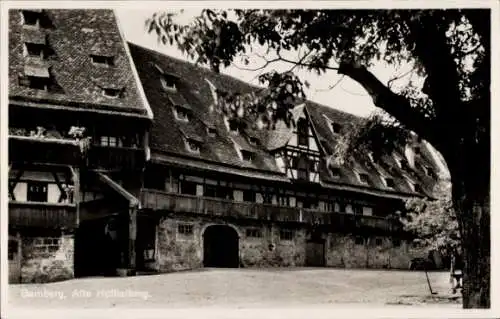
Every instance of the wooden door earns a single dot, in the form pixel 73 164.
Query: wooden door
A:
pixel 14 260
pixel 315 253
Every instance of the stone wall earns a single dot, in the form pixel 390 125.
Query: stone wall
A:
pixel 369 252
pixel 46 259
pixel 261 245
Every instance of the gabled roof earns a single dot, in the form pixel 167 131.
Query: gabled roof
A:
pixel 194 85
pixel 194 92
pixel 71 37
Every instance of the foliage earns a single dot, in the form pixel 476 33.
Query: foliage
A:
pixel 433 221
pixel 449 49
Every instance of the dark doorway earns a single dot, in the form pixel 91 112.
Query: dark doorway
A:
pixel 220 247
pixel 97 248
pixel 315 253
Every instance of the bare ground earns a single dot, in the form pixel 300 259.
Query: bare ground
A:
pixel 243 288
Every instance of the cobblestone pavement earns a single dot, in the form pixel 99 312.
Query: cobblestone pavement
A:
pixel 244 288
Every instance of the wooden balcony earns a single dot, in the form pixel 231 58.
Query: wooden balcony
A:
pixel 44 150
pixel 107 157
pixel 41 214
pixel 181 203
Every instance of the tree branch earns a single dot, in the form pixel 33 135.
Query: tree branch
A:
pixel 396 105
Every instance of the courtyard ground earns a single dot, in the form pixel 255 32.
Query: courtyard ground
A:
pixel 243 288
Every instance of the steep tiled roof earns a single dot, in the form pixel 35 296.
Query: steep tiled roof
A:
pixel 167 132
pixel 70 38
pixel 192 87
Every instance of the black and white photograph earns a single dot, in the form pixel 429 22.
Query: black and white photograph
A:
pixel 323 159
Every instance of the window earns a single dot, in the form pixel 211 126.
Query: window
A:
pixel 335 172
pixel 396 242
pixel 34 50
pixel 102 60
pixel 112 141
pixel 181 113
pixel 168 83
pixel 253 140
pixel 113 93
pixel 303 167
pixel 193 146
pixel 188 188
pixel 417 188
pixel 286 234
pixel 233 126
pixel 212 131
pixel 359 240
pixel 254 232
pixel 185 229
pixel 247 156
pixel 37 192
pixel 378 241
pixel 363 178
pixel 390 182
pixel 46 244
pixel 428 171
pixel 302 132
pixel 13 248
pixel 35 82
pixel 417 150
pixel 336 128
pixel 248 195
pixel 31 18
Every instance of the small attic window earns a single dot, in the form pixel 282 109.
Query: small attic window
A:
pixel 111 93
pixel 30 18
pixel 181 113
pixel 253 140
pixel 336 173
pixel 211 131
pixel 336 128
pixel 34 50
pixel 417 150
pixel 389 182
pixel 247 156
pixel 233 127
pixel 417 188
pixel 363 178
pixel 102 60
pixel 193 146
pixel 168 83
pixel 428 171
pixel 35 82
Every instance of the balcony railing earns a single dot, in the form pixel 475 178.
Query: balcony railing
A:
pixel 44 150
pixel 181 203
pixel 41 214
pixel 108 157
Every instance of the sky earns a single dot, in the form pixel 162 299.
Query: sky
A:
pixel 347 95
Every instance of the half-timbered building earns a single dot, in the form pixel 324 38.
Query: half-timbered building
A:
pixel 121 163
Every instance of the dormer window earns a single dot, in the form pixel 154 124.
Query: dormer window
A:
pixel 336 173
pixel 168 83
pixel 211 131
pixel 363 178
pixel 247 156
pixel 35 82
pixel 193 146
pixel 417 188
pixel 102 60
pixel 31 17
pixel 302 132
pixel 111 93
pixel 253 140
pixel 336 128
pixel 233 127
pixel 181 113
pixel 389 182
pixel 34 50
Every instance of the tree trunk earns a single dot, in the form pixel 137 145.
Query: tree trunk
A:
pixel 473 214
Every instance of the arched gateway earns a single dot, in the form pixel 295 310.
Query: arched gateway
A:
pixel 220 247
